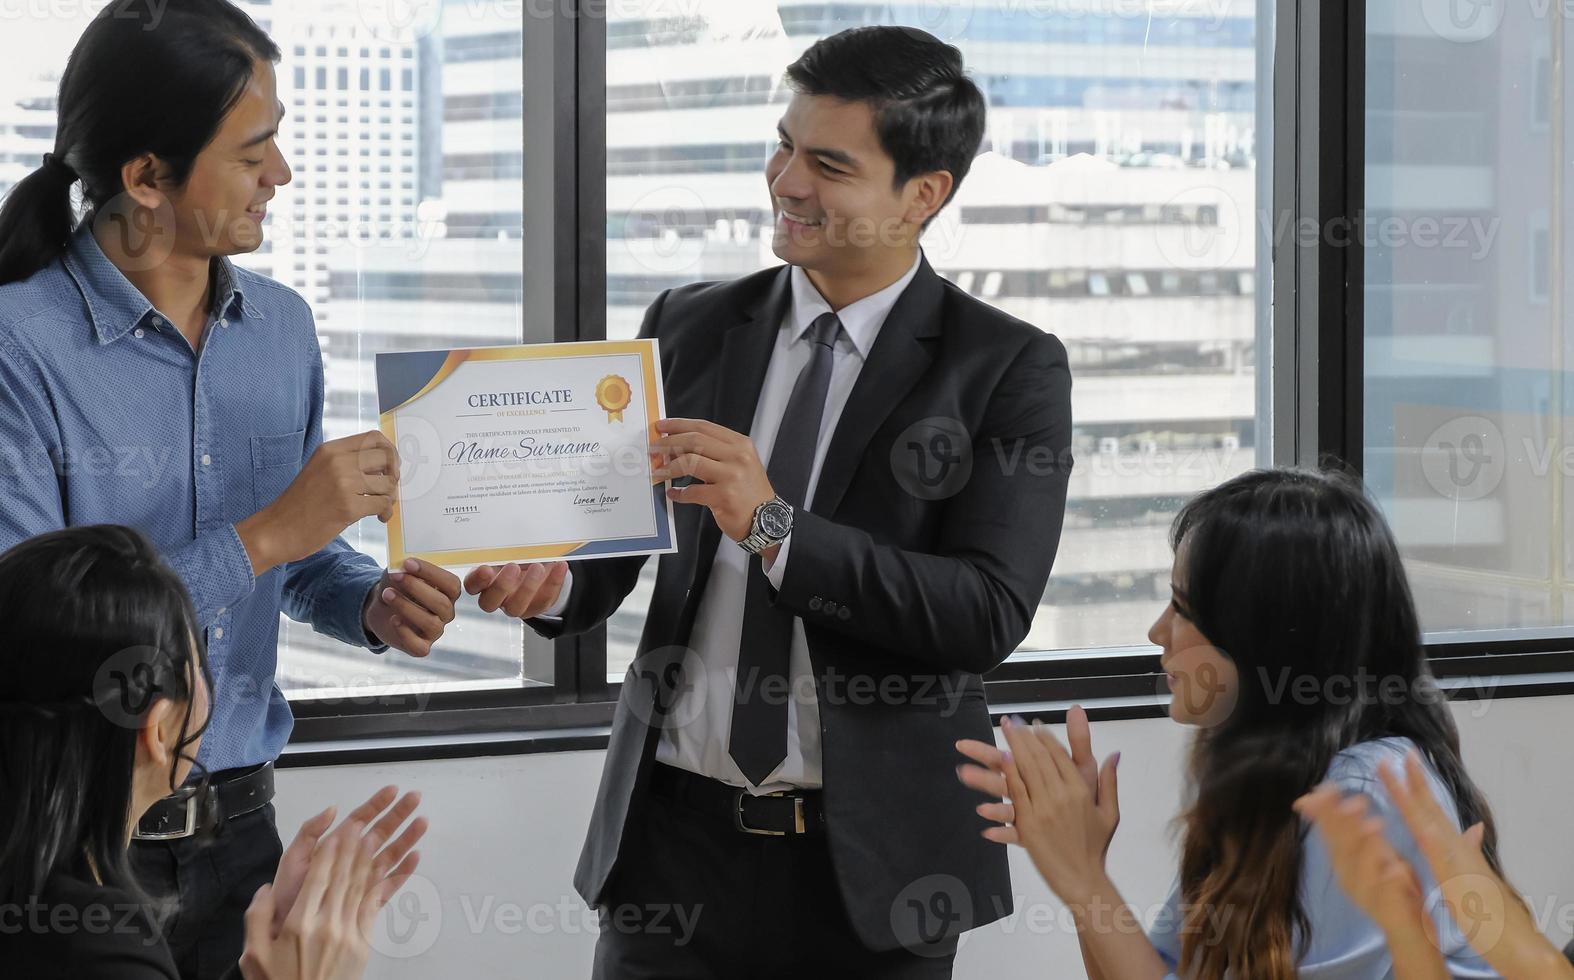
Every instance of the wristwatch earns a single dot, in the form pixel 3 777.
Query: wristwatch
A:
pixel 772 523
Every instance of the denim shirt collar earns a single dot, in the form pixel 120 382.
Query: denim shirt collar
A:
pixel 115 306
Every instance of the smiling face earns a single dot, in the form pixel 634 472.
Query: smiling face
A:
pixel 220 209
pixel 1202 679
pixel 832 190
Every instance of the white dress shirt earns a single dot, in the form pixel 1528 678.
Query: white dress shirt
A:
pixel 700 720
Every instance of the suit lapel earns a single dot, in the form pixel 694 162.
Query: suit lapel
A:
pixel 745 354
pixel 899 356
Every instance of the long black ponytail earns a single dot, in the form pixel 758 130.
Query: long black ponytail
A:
pixel 146 76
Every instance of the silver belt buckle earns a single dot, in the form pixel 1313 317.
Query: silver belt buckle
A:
pixel 189 831
pixel 799 824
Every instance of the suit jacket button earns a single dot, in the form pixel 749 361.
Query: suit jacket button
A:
pixel 844 613
pixel 830 608
pixel 814 603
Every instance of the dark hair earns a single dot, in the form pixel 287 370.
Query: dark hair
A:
pixel 927 113
pixel 97 630
pixel 1293 573
pixel 146 76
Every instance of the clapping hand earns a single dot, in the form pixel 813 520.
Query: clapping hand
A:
pixel 395 858
pixel 1062 810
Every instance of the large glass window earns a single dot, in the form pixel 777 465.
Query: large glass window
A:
pixel 1119 200
pixel 1466 388
pixel 1112 204
pixel 431 258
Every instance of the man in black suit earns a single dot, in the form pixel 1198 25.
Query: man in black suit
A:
pixel 875 468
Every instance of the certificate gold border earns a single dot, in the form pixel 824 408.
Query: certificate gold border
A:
pixel 649 354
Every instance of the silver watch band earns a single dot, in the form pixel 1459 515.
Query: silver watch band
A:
pixel 757 540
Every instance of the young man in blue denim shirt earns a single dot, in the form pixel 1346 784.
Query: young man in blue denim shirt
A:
pixel 146 380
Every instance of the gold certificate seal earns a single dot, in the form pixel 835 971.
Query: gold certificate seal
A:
pixel 614 394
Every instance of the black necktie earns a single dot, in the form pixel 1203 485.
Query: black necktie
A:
pixel 759 708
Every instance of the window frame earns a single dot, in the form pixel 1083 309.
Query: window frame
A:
pixel 1311 385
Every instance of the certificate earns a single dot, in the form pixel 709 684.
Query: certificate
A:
pixel 525 454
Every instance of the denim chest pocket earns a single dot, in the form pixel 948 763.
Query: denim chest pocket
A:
pixel 275 462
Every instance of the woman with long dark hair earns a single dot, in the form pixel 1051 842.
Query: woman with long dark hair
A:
pixel 103 704
pixel 1292 644
pixel 127 334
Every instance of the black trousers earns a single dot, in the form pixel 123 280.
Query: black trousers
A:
pixel 692 897
pixel 214 885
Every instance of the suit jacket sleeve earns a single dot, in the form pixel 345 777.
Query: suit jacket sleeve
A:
pixel 599 585
pixel 968 605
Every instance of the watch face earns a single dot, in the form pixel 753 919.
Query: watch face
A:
pixel 776 520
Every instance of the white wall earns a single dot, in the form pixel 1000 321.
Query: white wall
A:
pixel 496 899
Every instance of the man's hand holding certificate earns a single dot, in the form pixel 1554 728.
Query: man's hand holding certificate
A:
pixel 525 454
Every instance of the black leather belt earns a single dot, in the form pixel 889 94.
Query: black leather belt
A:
pixel 788 813
pixel 231 793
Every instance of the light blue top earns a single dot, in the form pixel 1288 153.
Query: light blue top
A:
pixel 1345 943
pixel 107 416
